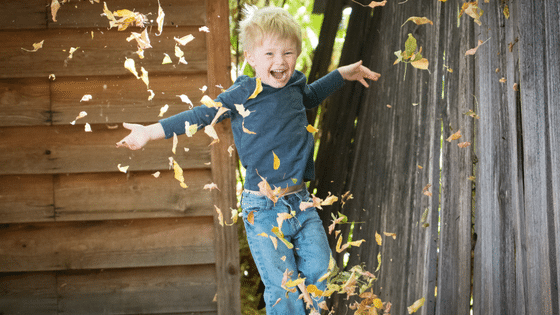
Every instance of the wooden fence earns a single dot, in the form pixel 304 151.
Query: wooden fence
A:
pixel 477 227
pixel 76 235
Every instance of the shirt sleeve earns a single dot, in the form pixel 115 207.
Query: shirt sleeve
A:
pixel 318 91
pixel 202 115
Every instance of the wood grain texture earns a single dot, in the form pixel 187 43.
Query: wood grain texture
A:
pixel 69 149
pixel 109 196
pixel 25 102
pixel 159 290
pixel 28 293
pixel 26 198
pixel 106 244
pixel 123 98
pixel 104 54
pixel 17 14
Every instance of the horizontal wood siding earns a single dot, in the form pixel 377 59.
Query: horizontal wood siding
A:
pixel 78 236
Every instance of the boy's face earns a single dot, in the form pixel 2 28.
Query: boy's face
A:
pixel 274 60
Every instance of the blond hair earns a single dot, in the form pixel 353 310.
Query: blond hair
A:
pixel 259 23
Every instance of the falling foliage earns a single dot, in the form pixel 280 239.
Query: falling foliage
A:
pixel 373 4
pixel 411 55
pixel 471 9
pixel 179 174
pixel 276 161
pixel 36 46
pixel 416 305
pixel 127 18
pixel 418 20
pixel 160 18
pixel 472 51
pixel 454 136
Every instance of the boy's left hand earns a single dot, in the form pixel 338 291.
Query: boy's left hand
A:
pixel 357 72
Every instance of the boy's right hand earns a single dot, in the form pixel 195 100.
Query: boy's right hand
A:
pixel 138 137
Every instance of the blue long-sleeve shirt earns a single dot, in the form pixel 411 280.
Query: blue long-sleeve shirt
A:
pixel 277 118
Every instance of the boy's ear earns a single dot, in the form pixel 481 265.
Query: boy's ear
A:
pixel 249 58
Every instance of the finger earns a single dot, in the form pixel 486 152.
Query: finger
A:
pixel 128 126
pixel 363 82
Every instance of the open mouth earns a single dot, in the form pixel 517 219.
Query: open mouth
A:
pixel 278 74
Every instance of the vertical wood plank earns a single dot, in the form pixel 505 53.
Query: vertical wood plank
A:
pixel 223 166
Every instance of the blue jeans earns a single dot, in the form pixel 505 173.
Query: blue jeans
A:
pixel 309 257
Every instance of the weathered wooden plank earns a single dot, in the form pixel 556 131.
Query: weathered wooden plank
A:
pixel 28 293
pixel 69 149
pixel 83 14
pixel 542 277
pixel 223 169
pixel 24 102
pixel 104 54
pixel 109 196
pixel 106 244
pixel 16 14
pixel 122 98
pixel 160 290
pixel 26 198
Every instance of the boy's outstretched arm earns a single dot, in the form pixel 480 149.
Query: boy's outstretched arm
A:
pixel 357 72
pixel 140 135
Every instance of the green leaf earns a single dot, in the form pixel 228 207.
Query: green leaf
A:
pixel 409 46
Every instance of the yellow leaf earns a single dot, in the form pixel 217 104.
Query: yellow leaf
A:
pixel 179 174
pixel 131 66
pixel 311 129
pixel 178 52
pixel 393 235
pixel 145 77
pixel 123 169
pixel 355 243
pixel 209 102
pixel 211 132
pixel 175 142
pixel 420 64
pixel 338 245
pixel 258 89
pixel 276 161
pixel 329 200
pixel 251 218
pixel 166 59
pixel 220 215
pixel 312 289
pixel 280 235
pixel 418 20
pixel 378 239
pixel 472 10
pixel 378 262
pixel 274 241
pixel 190 130
pixel 55 5
pixel 263 234
pixel 294 283
pixel 416 305
pixel 36 46
pixel 378 303
pixel 161 16
pixel 221 111
pixel 283 258
pixel 184 40
pixel 245 130
pixel 454 136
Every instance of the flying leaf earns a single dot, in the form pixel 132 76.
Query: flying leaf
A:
pixel 416 305
pixel 410 46
pixel 211 186
pixel 277 301
pixel 152 94
pixel 251 217
pixel 184 40
pixel 418 20
pixel 424 216
pixel 506 11
pixel 502 80
pixel 131 66
pixel 55 5
pixel 220 112
pixel 245 130
pixel 145 78
pixel 86 98
pixel 280 235
pixel 52 76
pixel 156 174
pixel 311 129
pixel 82 114
pixel 161 16
pixel 378 239
pixel 220 215
pixel 372 4
pixel 276 161
pixel 142 39
pixel 329 200
pixel 454 136
pixel 209 102
pixel 378 262
pixel 185 99
pixel 420 64
pixel 123 169
pixel 190 130
pixel 230 150
pixel 472 51
pixel 163 110
pixel 36 46
pixel 175 142
pixel 393 235
pixel 71 52
pixel 211 132
pixel 204 29
pixel 179 174
pixel 242 111
pixel 281 217
pixel 166 59
pixel 312 289
pixel 263 234
pixel 426 190
pixel 472 10
pixel 472 114
pixel 203 89
pixel 87 127
pixel 463 144
pixel 258 89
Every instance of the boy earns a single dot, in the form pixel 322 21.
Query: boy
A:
pixel 273 144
